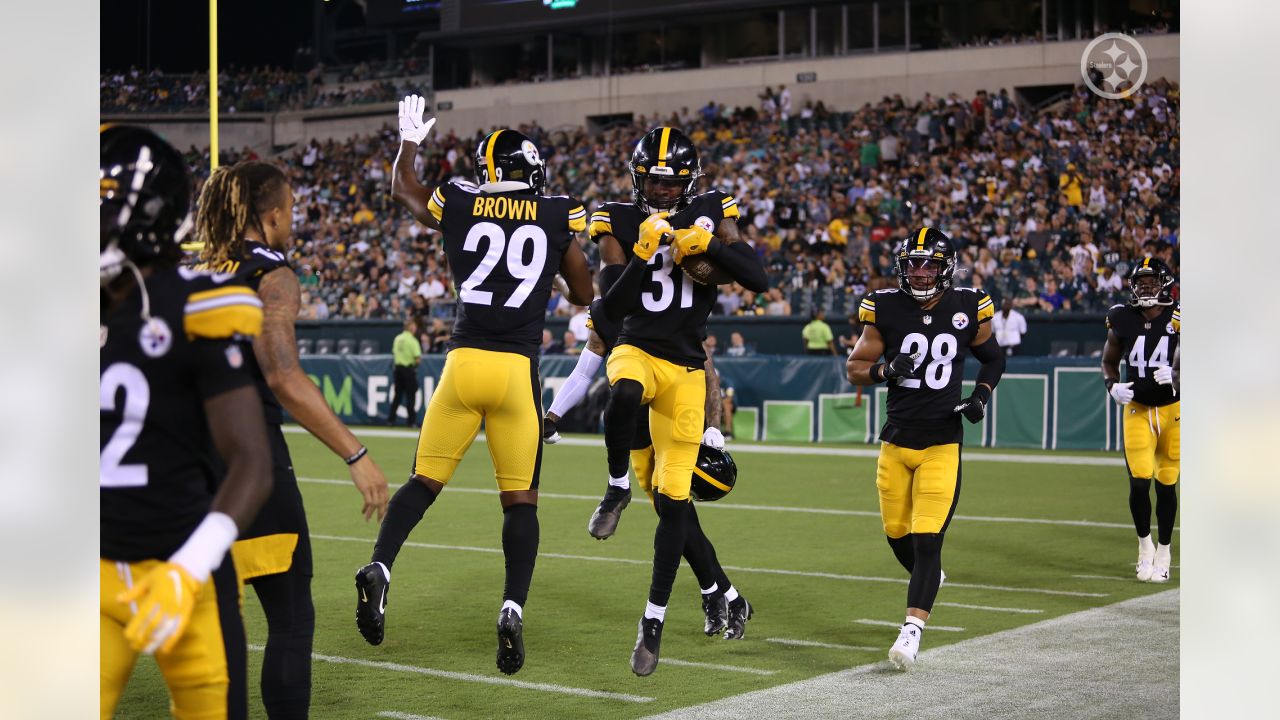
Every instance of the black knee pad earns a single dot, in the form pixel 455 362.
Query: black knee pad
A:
pixel 625 395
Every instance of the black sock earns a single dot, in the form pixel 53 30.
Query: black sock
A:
pixel 927 574
pixel 1140 505
pixel 620 424
pixel 520 546
pixel 668 544
pixel 1166 511
pixel 403 514
pixel 701 556
pixel 904 550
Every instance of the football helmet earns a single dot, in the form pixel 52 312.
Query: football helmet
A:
pixel 507 160
pixel 664 153
pixel 1150 284
pixel 144 200
pixel 714 475
pixel 929 259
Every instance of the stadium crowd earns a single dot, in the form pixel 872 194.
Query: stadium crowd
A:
pixel 1048 209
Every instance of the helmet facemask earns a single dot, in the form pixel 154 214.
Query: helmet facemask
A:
pixel 1150 287
pixel 922 276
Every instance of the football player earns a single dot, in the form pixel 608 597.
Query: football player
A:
pixel 245 222
pixel 1145 335
pixel 921 329
pixel 658 359
pixel 505 240
pixel 174 386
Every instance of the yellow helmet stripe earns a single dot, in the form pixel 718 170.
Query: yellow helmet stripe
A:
pixel 1146 262
pixel 920 238
pixel 488 156
pixel 662 147
pixel 714 482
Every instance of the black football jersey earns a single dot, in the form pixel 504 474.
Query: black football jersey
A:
pixel 922 408
pixel 504 251
pixel 671 320
pixel 1147 344
pixel 255 261
pixel 156 472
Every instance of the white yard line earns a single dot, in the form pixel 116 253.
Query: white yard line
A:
pixel 1022 611
pixel 816 644
pixel 736 568
pixel 890 623
pixel 397 715
pixel 468 677
pixel 716 666
pixel 1042 458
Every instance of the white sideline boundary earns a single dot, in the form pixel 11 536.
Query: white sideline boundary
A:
pixel 716 666
pixel 815 644
pixel 1041 458
pixel 397 715
pixel 735 568
pixel 988 608
pixel 783 508
pixel 469 677
pixel 1073 666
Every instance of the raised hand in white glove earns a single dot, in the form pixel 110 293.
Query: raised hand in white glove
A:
pixel 713 438
pixel 1122 393
pixel 412 128
pixel 1164 374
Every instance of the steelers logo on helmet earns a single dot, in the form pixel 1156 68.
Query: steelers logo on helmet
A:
pixel 508 161
pixel 926 264
pixel 530 152
pixel 714 475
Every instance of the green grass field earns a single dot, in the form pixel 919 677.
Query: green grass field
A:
pixel 800 537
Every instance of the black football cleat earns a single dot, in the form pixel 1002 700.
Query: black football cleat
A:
pixel 739 613
pixel 716 610
pixel 372 583
pixel 510 641
pixel 604 521
pixel 550 433
pixel 644 659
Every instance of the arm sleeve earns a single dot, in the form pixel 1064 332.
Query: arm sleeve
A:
pixel 609 275
pixel 992 358
pixel 740 260
pixel 621 298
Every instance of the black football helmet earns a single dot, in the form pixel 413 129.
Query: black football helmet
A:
pixel 664 152
pixel 507 160
pixel 928 249
pixel 714 475
pixel 1150 284
pixel 144 200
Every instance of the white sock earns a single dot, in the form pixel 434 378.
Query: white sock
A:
pixel 658 612
pixel 1145 542
pixel 511 604
pixel 385 571
pixel 623 482
pixel 913 620
pixel 576 386
pixel 731 594
pixel 1166 549
pixel 713 588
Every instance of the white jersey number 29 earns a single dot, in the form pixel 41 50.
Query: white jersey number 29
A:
pixel 527 273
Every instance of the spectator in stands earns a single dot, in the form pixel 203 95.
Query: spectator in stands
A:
pixel 711 345
pixel 550 346
pixel 855 330
pixel 737 346
pixel 1009 326
pixel 571 344
pixel 818 339
pixel 776 304
pixel 1052 299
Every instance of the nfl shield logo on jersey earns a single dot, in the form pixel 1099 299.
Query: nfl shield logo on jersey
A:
pixel 234 357
pixel 960 320
pixel 155 337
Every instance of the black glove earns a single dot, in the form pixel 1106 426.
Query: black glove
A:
pixel 974 407
pixel 900 366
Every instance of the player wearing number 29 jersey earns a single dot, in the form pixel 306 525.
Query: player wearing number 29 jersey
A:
pixel 505 240
pixel 922 329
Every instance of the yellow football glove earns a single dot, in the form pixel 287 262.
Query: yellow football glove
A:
pixel 166 597
pixel 652 231
pixel 690 241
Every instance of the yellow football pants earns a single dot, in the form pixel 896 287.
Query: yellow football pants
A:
pixel 1153 441
pixel 675 395
pixel 917 488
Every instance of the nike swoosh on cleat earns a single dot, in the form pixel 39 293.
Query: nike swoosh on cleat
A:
pixel 363 597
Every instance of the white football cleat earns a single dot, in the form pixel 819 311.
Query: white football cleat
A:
pixel 1146 554
pixel 1160 572
pixel 904 650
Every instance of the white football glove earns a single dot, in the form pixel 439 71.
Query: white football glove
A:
pixel 1164 374
pixel 713 438
pixel 1122 393
pixel 412 128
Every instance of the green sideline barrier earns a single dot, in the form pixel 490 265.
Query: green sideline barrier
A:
pixel 1040 403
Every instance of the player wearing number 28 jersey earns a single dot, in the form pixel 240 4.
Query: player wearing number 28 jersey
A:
pixel 922 329
pixel 505 240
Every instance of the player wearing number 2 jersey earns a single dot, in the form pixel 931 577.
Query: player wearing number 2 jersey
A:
pixel 922 330
pixel 1145 334
pixel 505 241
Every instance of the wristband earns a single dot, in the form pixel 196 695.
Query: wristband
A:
pixel 358 454
pixel 873 373
pixel 206 546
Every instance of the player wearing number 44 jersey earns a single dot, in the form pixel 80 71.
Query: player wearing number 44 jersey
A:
pixel 174 388
pixel 922 329
pixel 505 240
pixel 1145 334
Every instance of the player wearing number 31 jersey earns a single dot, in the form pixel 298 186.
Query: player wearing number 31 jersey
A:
pixel 923 329
pixel 505 241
